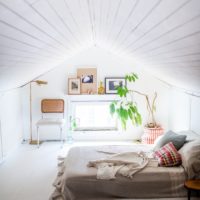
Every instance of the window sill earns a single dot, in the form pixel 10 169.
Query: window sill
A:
pixel 95 129
pixel 77 132
pixel 92 97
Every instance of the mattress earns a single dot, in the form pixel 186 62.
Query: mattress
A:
pixel 76 181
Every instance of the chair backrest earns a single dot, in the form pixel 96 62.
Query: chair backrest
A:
pixel 52 106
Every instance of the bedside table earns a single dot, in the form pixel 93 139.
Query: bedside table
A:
pixel 192 185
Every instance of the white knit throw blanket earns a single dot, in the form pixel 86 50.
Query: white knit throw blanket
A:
pixel 125 164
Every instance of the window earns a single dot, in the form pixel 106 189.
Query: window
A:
pixel 93 116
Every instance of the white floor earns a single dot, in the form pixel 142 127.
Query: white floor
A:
pixel 28 173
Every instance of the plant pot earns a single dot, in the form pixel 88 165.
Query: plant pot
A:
pixel 150 134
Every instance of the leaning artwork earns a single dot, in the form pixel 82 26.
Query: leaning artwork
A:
pixel 88 77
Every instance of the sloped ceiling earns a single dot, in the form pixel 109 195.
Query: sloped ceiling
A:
pixel 162 36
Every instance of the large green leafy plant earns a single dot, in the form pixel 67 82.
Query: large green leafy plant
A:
pixel 126 109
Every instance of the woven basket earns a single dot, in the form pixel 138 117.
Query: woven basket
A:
pixel 150 134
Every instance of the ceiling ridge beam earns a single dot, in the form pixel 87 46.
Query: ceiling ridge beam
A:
pixel 94 21
pixel 100 21
pixel 95 15
pixel 91 22
pixel 107 17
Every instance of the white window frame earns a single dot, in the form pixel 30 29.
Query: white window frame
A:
pixel 76 99
pixel 103 128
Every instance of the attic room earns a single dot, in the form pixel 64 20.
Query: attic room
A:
pixel 99 99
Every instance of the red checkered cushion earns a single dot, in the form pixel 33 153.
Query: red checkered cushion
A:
pixel 168 156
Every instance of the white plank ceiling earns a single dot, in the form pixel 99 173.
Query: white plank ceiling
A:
pixel 162 36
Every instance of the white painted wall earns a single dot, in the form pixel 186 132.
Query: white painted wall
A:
pixel 195 114
pixel 179 110
pixel 11 120
pixel 184 111
pixel 108 65
pixel 1 145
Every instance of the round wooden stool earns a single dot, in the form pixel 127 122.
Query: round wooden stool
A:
pixel 192 185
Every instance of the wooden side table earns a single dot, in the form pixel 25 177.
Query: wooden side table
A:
pixel 192 185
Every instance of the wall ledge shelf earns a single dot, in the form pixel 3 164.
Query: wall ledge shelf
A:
pixel 92 98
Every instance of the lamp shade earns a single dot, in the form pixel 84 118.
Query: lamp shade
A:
pixel 40 82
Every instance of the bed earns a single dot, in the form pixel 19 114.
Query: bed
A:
pixel 77 181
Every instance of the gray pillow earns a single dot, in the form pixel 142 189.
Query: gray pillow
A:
pixel 177 140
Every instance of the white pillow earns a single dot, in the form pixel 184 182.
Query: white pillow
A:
pixel 191 135
pixel 190 153
pixel 158 139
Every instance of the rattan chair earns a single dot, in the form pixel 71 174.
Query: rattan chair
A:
pixel 51 106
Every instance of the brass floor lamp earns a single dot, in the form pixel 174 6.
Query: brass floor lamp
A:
pixel 38 82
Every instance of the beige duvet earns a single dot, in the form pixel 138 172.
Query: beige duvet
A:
pixel 76 181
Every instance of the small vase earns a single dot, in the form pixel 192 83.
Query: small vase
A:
pixel 69 137
pixel 101 89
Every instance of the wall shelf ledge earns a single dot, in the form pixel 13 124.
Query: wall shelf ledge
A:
pixel 92 98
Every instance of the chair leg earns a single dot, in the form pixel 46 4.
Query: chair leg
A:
pixel 38 138
pixel 189 193
pixel 61 138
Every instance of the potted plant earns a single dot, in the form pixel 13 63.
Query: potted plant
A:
pixel 126 109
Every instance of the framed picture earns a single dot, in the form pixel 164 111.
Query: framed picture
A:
pixel 74 86
pixel 112 83
pixel 88 77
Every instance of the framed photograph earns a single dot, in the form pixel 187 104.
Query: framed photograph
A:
pixel 112 83
pixel 88 77
pixel 74 86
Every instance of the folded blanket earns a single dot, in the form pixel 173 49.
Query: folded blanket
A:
pixel 125 164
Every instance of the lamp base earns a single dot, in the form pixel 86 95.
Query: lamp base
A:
pixel 34 142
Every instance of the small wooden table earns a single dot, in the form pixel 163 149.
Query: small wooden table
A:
pixel 192 185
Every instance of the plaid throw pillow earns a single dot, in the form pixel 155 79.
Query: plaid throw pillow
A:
pixel 168 156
